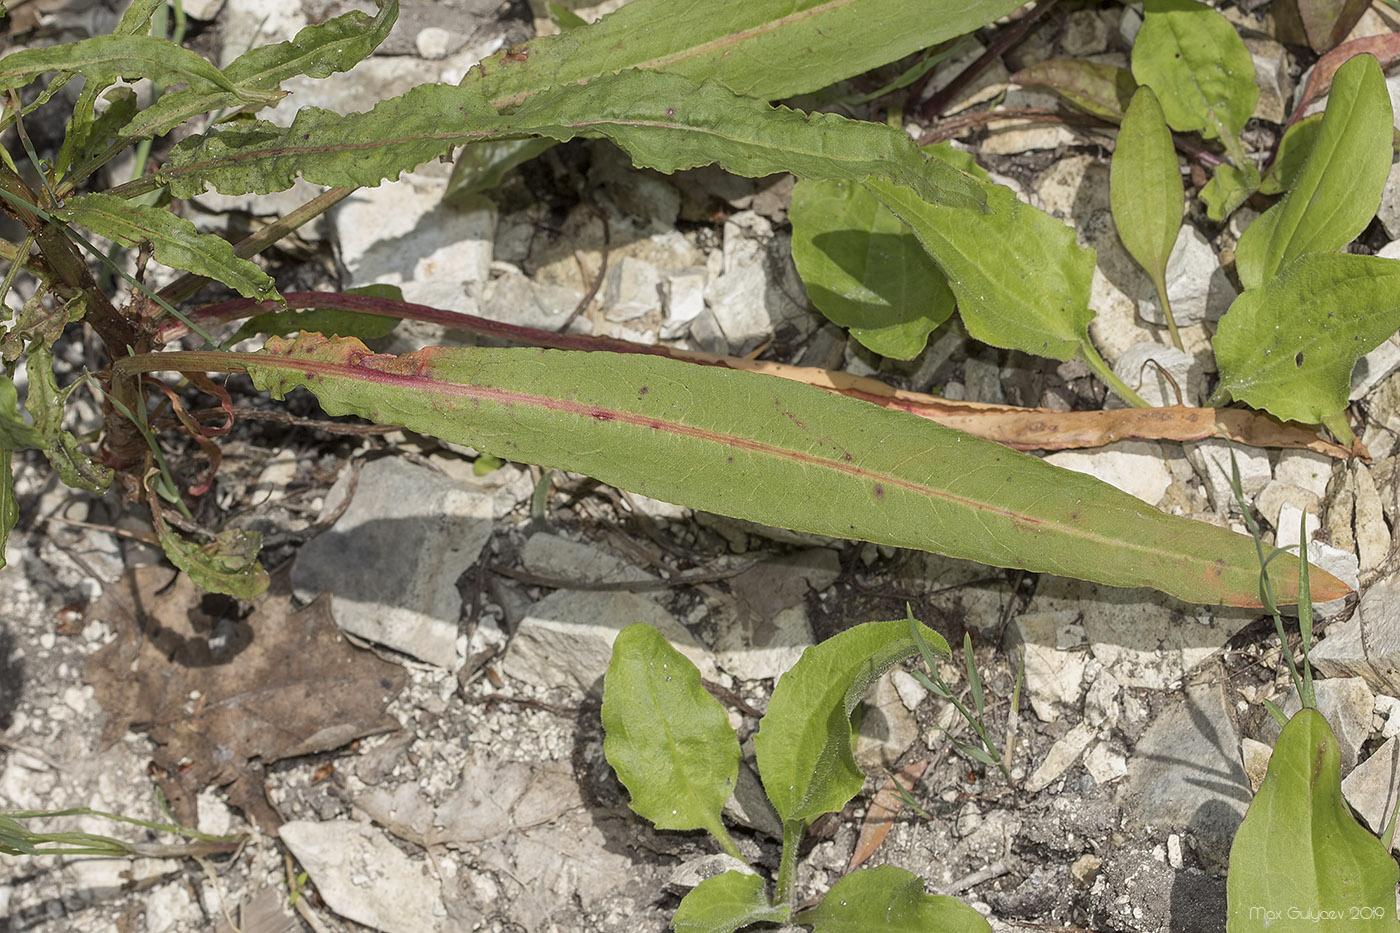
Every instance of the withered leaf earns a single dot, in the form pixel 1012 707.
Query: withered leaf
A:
pixel 216 686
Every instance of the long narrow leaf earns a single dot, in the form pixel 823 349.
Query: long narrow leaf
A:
pixel 106 58
pixel 316 51
pixel 771 451
pixel 664 121
pixel 768 49
pixel 175 240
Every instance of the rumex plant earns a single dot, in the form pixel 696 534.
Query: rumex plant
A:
pixel 672 97
pixel 671 745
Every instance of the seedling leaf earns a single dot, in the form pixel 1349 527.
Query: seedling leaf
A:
pixel 897 898
pixel 807 459
pixel 669 741
pixel 1203 75
pixel 1293 151
pixel 1300 853
pixel 803 744
pixel 174 239
pixel 726 903
pixel 1337 193
pixel 1289 346
pixel 1145 185
pixel 865 270
pixel 1021 280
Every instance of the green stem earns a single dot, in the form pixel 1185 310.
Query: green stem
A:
pixel 726 842
pixel 1159 282
pixel 786 891
pixel 1102 370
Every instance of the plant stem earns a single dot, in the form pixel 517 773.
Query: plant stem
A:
pixel 1340 428
pixel 1160 284
pixel 786 884
pixel 1102 370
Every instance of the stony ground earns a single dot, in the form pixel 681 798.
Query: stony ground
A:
pixel 422 749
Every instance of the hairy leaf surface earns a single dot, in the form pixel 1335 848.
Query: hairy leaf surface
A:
pixel 771 451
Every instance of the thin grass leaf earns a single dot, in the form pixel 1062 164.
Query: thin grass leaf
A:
pixel 973 680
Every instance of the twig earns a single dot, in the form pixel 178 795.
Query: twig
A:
pixel 602 271
pixel 559 583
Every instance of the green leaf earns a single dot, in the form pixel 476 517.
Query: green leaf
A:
pixel 1300 859
pixel 483 166
pixel 669 741
pixel 1145 189
pixel 771 451
pixel 667 122
pixel 1289 347
pixel 1101 90
pixel 45 403
pixel 765 49
pixel 316 51
pixel 228 564
pixel 174 239
pixel 664 122
pixel 1021 280
pixel 1198 65
pixel 1227 189
pixel 85 139
pixel 1293 151
pixel 892 899
pixel 864 269
pixel 803 744
pixel 15 432
pixel 1340 187
pixel 104 59
pixel 726 903
pixel 565 18
pixel 327 320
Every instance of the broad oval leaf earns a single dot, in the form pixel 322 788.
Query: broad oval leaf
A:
pixel 864 269
pixel 1145 185
pixel 765 49
pixel 1021 280
pixel 103 59
pixel 1198 65
pixel 771 451
pixel 726 903
pixel 669 741
pixel 174 239
pixel 803 744
pixel 1097 89
pixel 1300 856
pixel 1337 193
pixel 896 897
pixel 1289 347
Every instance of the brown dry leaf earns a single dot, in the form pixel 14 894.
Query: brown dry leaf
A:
pixel 879 818
pixel 222 689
